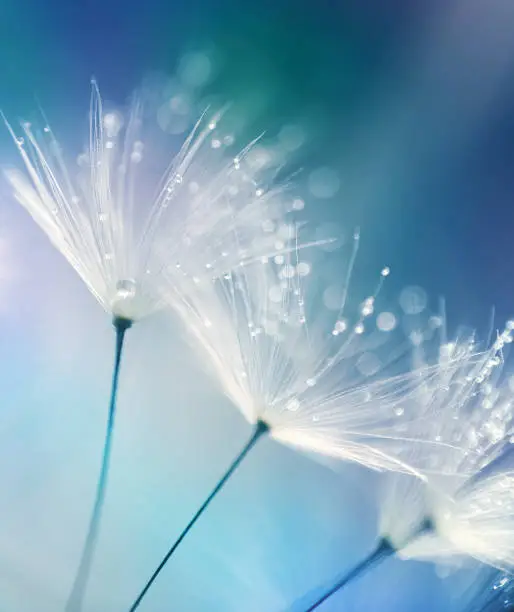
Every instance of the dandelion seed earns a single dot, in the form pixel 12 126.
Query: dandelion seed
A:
pixel 112 224
pixel 343 407
pixel 458 508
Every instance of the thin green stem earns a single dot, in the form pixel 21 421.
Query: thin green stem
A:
pixel 260 429
pixel 76 597
pixel 381 552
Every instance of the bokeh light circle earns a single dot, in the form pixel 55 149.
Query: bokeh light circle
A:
pixel 413 300
pixel 323 183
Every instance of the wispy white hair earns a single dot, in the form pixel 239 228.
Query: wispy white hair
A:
pixel 320 385
pixel 469 506
pixel 129 210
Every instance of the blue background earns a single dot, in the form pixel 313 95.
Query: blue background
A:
pixel 412 104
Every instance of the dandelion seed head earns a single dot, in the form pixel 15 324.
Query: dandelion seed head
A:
pixel 112 219
pixel 268 324
pixel 468 503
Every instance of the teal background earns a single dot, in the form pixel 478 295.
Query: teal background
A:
pixel 411 103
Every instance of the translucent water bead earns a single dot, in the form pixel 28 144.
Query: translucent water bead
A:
pixel 126 289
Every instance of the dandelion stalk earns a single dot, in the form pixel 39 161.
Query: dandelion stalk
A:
pixel 78 590
pixel 383 550
pixel 260 429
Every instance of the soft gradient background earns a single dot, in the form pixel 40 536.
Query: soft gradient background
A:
pixel 411 104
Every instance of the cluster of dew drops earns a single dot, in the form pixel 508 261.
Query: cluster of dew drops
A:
pixel 289 274
pixel 505 585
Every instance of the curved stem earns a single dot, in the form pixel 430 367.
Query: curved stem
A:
pixel 76 597
pixel 381 552
pixel 260 429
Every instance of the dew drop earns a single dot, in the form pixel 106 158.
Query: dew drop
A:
pixel 293 405
pixel 340 326
pixel 126 289
pixel 367 309
pixel 112 122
